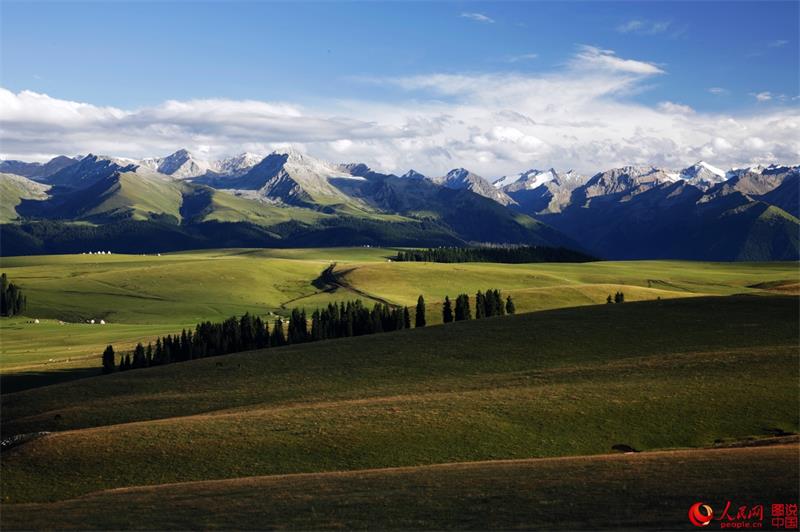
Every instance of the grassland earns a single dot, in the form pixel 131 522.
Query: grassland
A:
pixel 141 297
pixel 651 490
pixel 654 375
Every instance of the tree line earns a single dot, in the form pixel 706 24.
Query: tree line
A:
pixel 503 254
pixel 619 297
pixel 486 305
pixel 249 332
pixel 12 300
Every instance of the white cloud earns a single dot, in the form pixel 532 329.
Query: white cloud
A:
pixel 675 108
pixel 644 27
pixel 521 57
pixel 718 90
pixel 593 57
pixel 764 96
pixel 778 43
pixel 478 17
pixel 579 116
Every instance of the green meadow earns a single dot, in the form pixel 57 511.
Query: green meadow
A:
pixel 503 422
pixel 141 297
pixel 657 375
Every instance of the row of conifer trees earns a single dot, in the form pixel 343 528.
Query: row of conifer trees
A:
pixel 12 300
pixel 503 254
pixel 249 332
pixel 486 305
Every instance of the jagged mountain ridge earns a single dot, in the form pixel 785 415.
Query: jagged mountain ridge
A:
pixel 627 212
pixel 287 199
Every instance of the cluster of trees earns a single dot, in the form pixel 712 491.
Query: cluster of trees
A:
pixel 619 297
pixel 248 332
pixel 506 254
pixel 486 305
pixel 12 300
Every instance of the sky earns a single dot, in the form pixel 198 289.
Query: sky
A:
pixel 496 87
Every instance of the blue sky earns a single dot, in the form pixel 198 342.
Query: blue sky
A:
pixel 737 58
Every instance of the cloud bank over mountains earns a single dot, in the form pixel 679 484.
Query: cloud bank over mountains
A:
pixel 579 116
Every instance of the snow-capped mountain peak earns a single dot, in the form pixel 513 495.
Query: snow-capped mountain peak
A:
pixel 702 175
pixel 236 165
pixel 412 174
pixel 180 165
pixel 529 179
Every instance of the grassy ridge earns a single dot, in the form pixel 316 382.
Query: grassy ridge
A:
pixel 145 296
pixel 615 491
pixel 575 381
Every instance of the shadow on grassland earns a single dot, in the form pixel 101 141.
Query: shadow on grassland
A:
pixel 25 380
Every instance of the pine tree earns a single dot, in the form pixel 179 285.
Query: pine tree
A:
pixel 467 312
pixel 108 360
pixel 406 318
pixel 608 300
pixel 12 301
pixel 278 339
pixel 498 303
pixel 138 356
pixel 480 304
pixel 462 308
pixel 419 320
pixel 447 310
pixel 510 308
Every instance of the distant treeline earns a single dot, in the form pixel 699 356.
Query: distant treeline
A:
pixel 506 254
pixel 250 332
pixel 486 305
pixel 12 300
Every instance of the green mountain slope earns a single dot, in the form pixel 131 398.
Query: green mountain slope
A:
pixel 14 189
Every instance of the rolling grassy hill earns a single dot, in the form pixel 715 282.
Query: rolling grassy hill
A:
pixel 614 492
pixel 145 296
pixel 653 375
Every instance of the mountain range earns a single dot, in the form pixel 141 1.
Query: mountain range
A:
pixel 288 198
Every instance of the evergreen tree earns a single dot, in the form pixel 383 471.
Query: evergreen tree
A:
pixel 608 300
pixel 419 320
pixel 278 339
pixel 481 304
pixel 499 309
pixel 139 360
pixel 406 318
pixel 108 360
pixel 462 308
pixel 158 356
pixel 12 301
pixel 447 310
pixel 510 308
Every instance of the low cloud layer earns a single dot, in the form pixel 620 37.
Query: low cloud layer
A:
pixel 580 116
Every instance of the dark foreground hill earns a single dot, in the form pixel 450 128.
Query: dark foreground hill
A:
pixel 655 375
pixel 638 491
